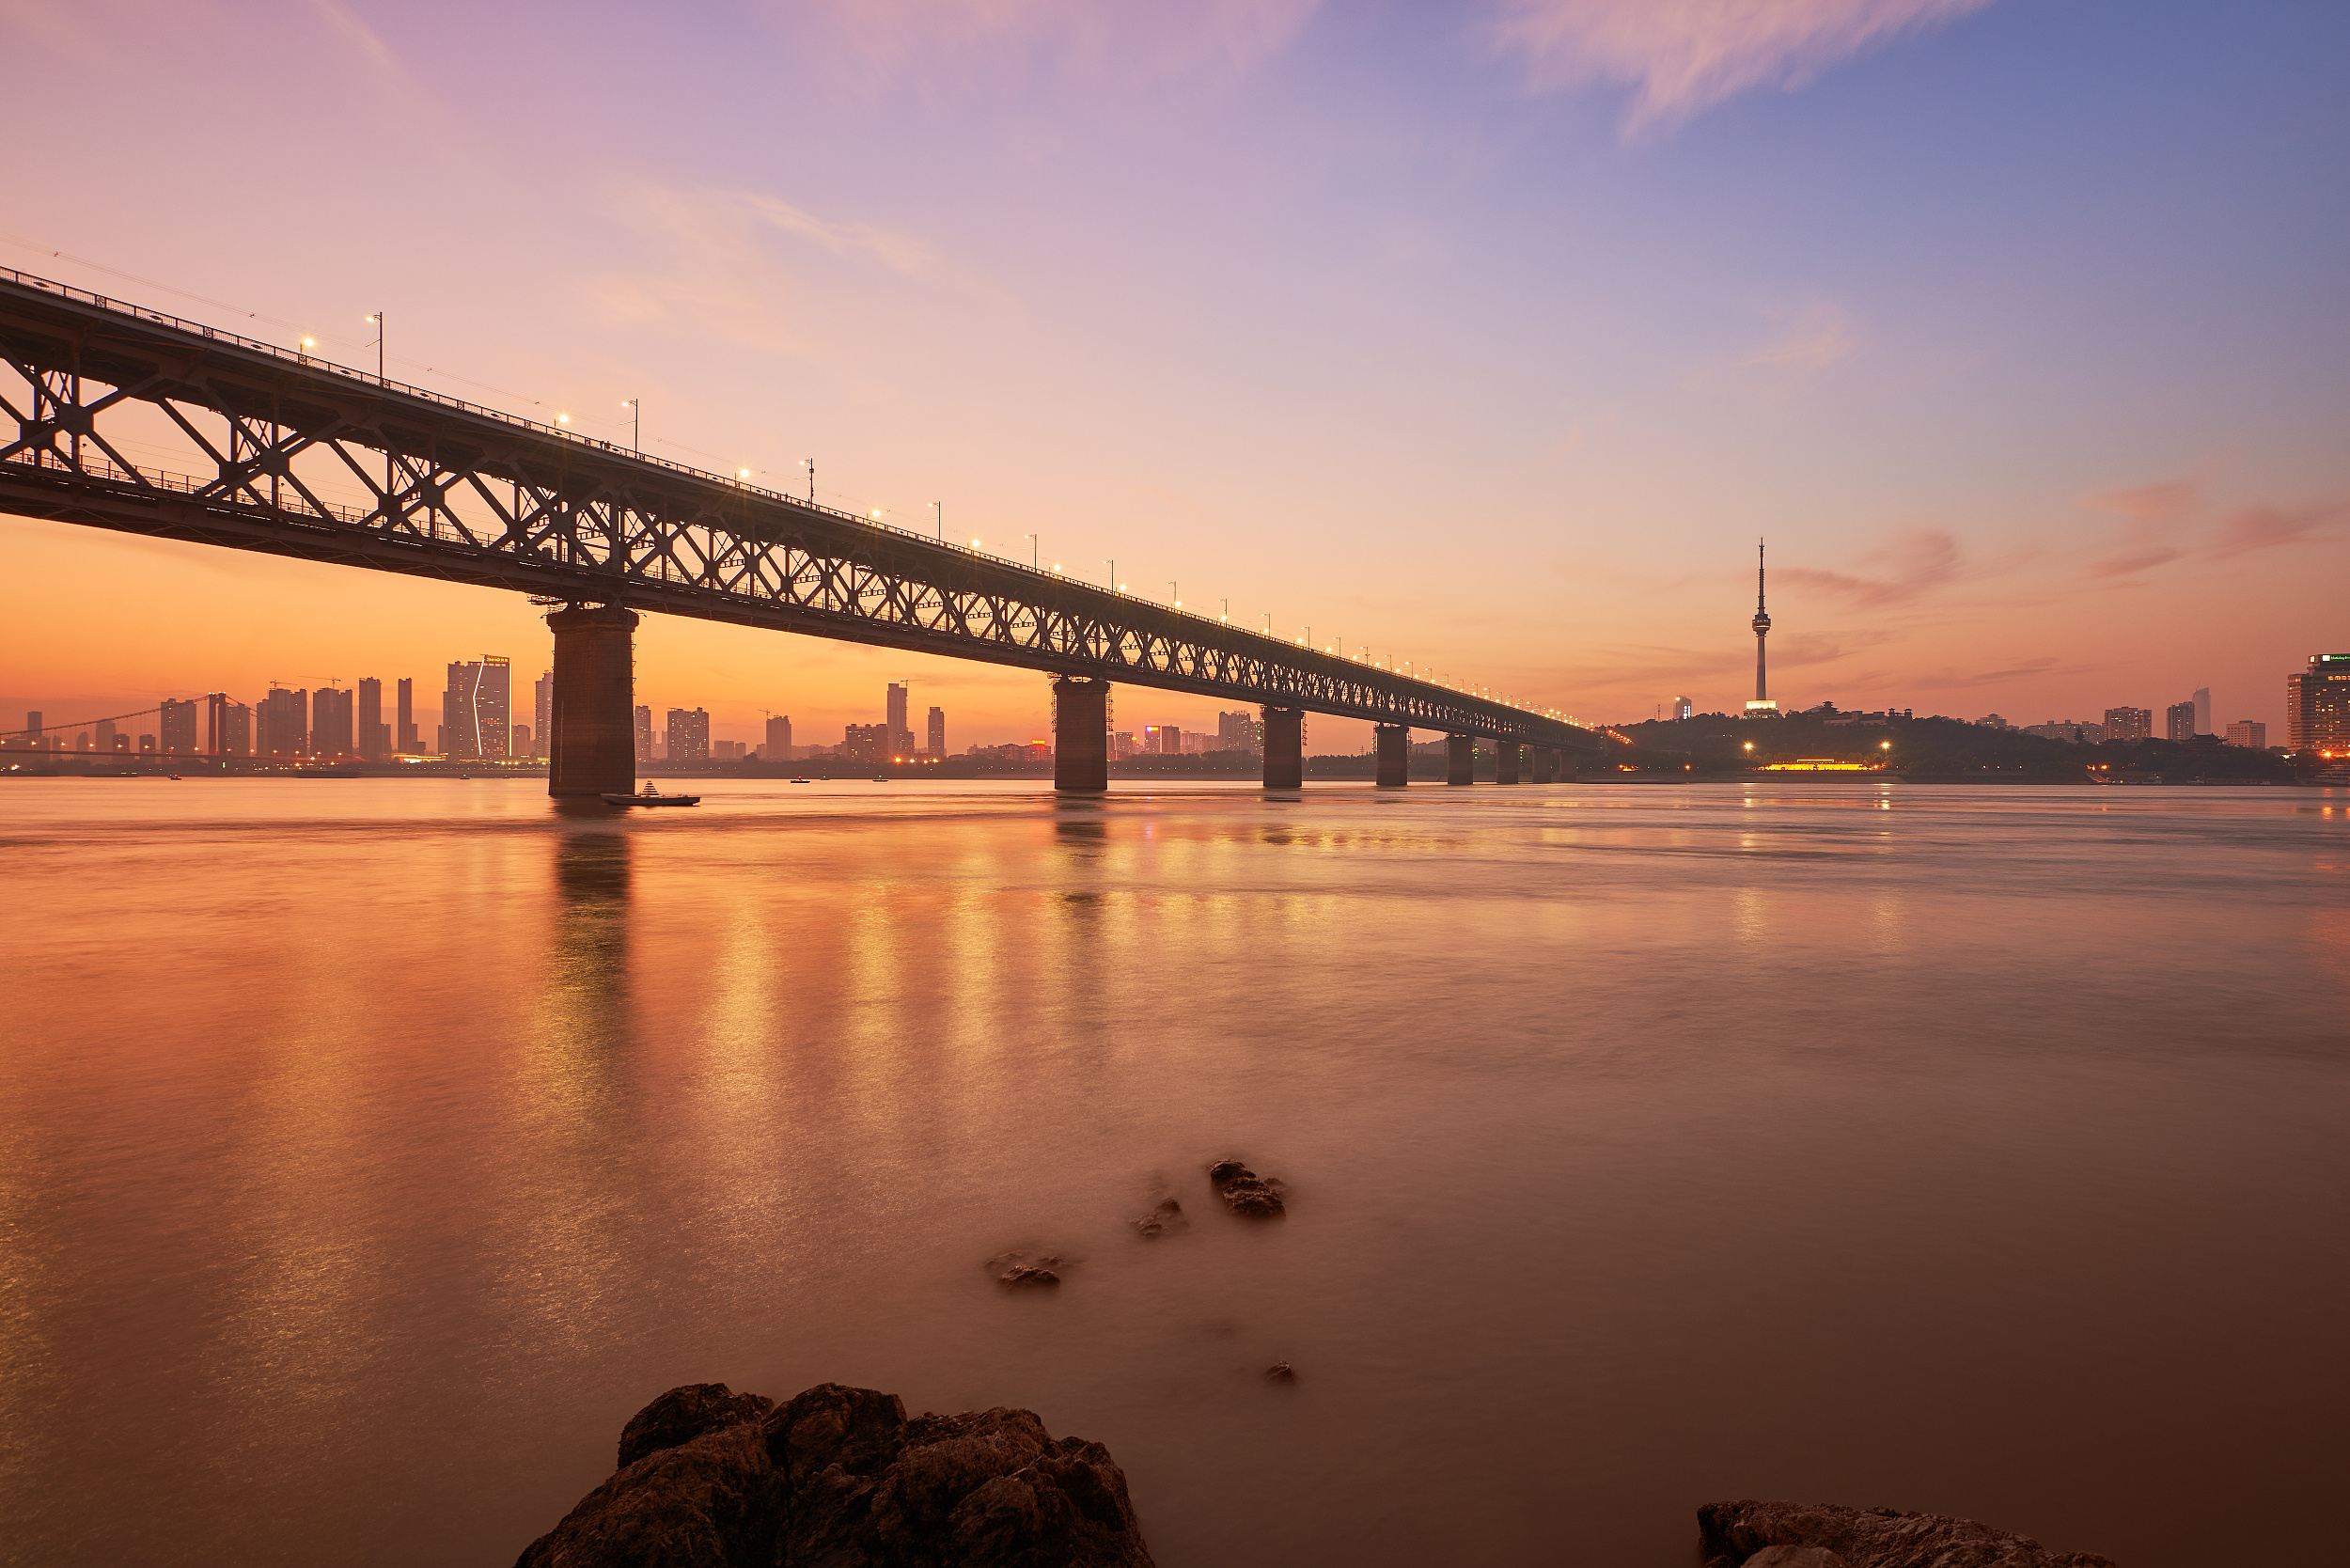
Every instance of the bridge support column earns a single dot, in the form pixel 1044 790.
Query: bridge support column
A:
pixel 1460 755
pixel 1545 765
pixel 1395 755
pixel 1081 741
pixel 1284 747
pixel 592 745
pixel 1506 761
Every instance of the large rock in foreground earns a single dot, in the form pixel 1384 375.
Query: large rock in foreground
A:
pixel 1820 1535
pixel 840 1477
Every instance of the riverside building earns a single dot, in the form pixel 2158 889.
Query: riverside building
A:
pixel 2317 706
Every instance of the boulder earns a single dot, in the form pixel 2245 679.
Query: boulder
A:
pixel 1243 1191
pixel 712 1502
pixel 1280 1371
pixel 1737 1534
pixel 840 1477
pixel 685 1414
pixel 1022 1268
pixel 1167 1217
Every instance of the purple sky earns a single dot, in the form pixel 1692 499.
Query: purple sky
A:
pixel 1488 336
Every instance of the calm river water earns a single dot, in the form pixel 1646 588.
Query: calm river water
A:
pixel 370 1150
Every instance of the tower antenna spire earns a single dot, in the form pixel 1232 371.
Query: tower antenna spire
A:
pixel 1762 707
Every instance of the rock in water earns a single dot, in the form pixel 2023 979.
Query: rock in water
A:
pixel 1280 1371
pixel 840 1477
pixel 1243 1191
pixel 1736 1534
pixel 1167 1217
pixel 685 1414
pixel 1020 1268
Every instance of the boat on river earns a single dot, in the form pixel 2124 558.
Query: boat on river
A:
pixel 652 796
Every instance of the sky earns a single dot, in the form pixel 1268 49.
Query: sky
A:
pixel 1487 335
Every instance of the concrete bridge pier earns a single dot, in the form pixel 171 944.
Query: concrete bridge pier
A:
pixel 1284 747
pixel 1545 765
pixel 1460 759
pixel 591 741
pixel 1395 755
pixel 1081 740
pixel 1506 761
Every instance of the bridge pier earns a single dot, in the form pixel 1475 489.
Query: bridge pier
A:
pixel 1395 754
pixel 1284 747
pixel 1506 761
pixel 1460 756
pixel 1081 741
pixel 1546 766
pixel 591 747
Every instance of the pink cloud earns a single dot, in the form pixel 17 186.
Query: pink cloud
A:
pixel 1086 40
pixel 2265 528
pixel 1685 56
pixel 2152 516
pixel 1919 560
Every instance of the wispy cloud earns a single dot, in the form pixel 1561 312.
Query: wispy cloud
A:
pixel 1682 56
pixel 1087 40
pixel 2265 528
pixel 2151 517
pixel 1917 560
pixel 1808 340
pixel 756 269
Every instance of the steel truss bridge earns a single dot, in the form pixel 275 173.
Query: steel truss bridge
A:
pixel 468 495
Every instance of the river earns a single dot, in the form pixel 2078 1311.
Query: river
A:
pixel 370 1150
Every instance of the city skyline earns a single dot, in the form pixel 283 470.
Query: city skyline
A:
pixel 1748 320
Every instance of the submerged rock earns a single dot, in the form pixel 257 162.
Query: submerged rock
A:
pixel 1745 1535
pixel 1280 1371
pixel 1243 1191
pixel 840 1477
pixel 1022 1268
pixel 685 1414
pixel 1165 1218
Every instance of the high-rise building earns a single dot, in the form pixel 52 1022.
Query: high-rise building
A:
pixel 1237 730
pixel 1164 740
pixel 2249 732
pixel 865 743
pixel 542 710
pixel 478 708
pixel 779 747
pixel 410 741
pixel 2129 724
pixel 1683 708
pixel 177 728
pixel 2202 711
pixel 523 742
pixel 901 732
pixel 644 733
pixel 2178 721
pixel 231 726
pixel 105 735
pixel 2317 706
pixel 330 723
pixel 937 739
pixel 281 724
pixel 688 735
pixel 368 736
pixel 1762 707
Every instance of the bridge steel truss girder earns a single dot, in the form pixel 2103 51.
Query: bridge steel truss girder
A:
pixel 583 522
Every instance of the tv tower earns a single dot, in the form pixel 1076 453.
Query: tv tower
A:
pixel 1762 707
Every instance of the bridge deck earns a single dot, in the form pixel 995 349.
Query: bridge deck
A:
pixel 464 493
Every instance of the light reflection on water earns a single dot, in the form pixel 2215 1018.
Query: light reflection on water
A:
pixel 372 1150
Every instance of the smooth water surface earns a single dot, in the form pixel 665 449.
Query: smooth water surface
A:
pixel 370 1150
